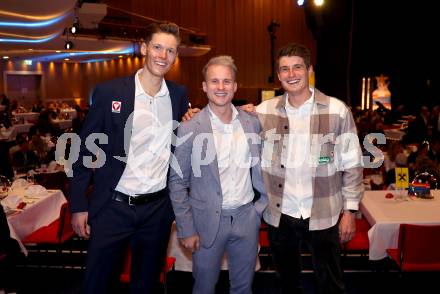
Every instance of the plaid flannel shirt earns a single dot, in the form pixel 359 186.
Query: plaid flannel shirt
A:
pixel 336 159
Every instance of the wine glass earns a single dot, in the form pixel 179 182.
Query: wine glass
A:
pixel 30 178
pixel 5 185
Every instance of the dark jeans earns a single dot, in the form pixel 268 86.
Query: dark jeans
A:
pixel 285 243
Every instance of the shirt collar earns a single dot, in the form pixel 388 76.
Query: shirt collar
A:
pixel 163 91
pixel 306 105
pixel 216 119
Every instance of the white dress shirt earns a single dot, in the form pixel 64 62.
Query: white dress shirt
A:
pixel 233 157
pixel 150 143
pixel 297 197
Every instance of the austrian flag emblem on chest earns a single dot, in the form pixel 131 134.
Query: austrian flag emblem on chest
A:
pixel 116 106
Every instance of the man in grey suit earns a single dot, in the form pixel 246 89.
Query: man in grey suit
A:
pixel 216 186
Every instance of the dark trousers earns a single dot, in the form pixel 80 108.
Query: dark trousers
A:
pixel 145 228
pixel 285 243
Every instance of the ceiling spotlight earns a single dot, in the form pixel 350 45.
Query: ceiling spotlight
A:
pixel 75 27
pixel 68 45
pixel 319 2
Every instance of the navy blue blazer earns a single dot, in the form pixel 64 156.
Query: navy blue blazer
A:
pixel 101 119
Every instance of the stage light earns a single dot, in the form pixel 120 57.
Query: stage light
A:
pixel 68 45
pixel 74 28
pixel 319 2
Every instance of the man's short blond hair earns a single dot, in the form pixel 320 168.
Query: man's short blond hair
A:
pixel 225 60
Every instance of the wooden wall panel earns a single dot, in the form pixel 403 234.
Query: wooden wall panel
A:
pixel 234 27
pixel 73 80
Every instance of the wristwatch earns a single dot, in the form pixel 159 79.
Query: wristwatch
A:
pixel 353 211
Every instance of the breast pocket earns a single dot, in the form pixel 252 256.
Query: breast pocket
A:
pixel 328 150
pixel 117 122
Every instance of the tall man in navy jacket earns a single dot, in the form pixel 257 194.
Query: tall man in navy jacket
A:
pixel 129 204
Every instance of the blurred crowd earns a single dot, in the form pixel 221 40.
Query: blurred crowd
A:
pixel 36 147
pixel 418 149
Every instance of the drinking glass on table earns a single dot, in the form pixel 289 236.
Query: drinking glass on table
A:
pixel 30 178
pixel 5 184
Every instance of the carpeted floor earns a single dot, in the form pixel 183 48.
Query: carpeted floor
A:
pixel 47 271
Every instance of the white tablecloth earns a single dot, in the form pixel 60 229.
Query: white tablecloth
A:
pixel 23 128
pixel 386 215
pixel 184 257
pixel 394 134
pixel 27 116
pixel 63 123
pixel 40 211
pixel 8 134
pixel 11 133
pixel 70 112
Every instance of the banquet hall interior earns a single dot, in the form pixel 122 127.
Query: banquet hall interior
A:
pixel 379 57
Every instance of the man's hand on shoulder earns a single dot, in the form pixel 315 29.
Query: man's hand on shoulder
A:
pixel 249 108
pixel 191 243
pixel 79 224
pixel 190 113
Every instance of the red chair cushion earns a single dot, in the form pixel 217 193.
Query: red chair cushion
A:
pixel 264 239
pixel 57 232
pixel 360 241
pixel 126 268
pixel 47 234
pixel 420 247
pixel 362 224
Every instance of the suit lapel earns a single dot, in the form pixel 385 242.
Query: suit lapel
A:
pixel 248 130
pixel 127 100
pixel 206 128
pixel 127 108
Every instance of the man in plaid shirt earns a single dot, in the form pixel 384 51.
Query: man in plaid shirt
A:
pixel 312 170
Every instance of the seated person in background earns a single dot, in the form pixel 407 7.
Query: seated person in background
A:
pixel 423 151
pixel 24 159
pixel 13 106
pixel 38 107
pixel 393 150
pixel 4 101
pixel 50 154
pixel 38 144
pixel 5 121
pixel 425 164
pixel 5 166
pixel 435 150
pixel 45 123
pixel 78 121
pixel 418 128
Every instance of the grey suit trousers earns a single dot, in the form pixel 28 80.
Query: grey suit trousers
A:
pixel 238 237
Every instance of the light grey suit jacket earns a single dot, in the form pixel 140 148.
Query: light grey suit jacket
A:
pixel 196 192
